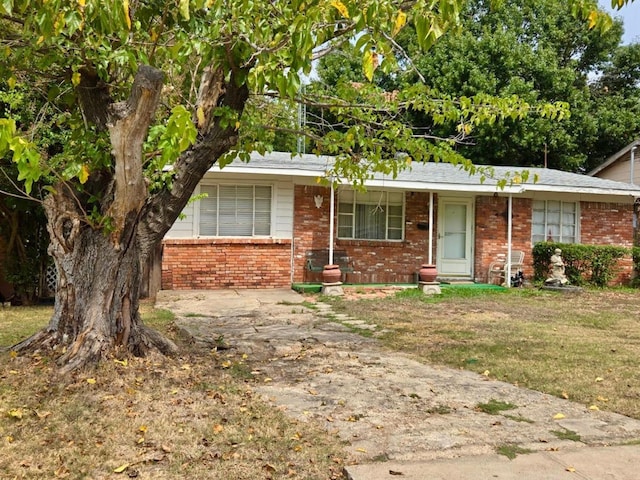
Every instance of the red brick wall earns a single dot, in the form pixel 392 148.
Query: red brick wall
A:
pixel 373 261
pixel 224 263
pixel 606 224
pixel 609 224
pixel 491 233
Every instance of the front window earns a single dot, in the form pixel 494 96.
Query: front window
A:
pixel 372 215
pixel 235 210
pixel 555 221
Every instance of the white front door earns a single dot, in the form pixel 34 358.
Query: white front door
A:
pixel 455 237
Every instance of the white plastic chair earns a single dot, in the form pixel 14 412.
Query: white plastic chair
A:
pixel 498 268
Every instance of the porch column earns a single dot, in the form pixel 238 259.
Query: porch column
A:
pixel 509 229
pixel 331 212
pixel 430 228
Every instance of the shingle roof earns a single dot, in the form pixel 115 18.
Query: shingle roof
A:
pixel 440 176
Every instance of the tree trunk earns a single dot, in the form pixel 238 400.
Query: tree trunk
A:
pixel 99 271
pixel 96 304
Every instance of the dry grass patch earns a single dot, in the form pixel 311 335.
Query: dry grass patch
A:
pixel 582 347
pixel 195 416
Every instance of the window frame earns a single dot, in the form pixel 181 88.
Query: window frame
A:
pixel 353 213
pixel 218 186
pixel 561 237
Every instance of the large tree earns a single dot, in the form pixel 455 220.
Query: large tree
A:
pixel 152 93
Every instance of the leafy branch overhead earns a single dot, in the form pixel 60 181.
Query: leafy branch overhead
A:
pixel 84 54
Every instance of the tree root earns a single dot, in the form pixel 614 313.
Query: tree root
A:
pixel 91 347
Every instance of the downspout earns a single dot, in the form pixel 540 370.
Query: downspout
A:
pixel 632 161
pixel 331 211
pixel 430 228
pixel 509 229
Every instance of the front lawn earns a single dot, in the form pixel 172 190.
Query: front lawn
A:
pixel 584 347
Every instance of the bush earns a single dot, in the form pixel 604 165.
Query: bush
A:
pixel 584 264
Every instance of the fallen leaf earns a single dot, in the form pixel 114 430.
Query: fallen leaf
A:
pixel 313 392
pixel 394 472
pixel 218 428
pixel 486 373
pixel 570 469
pixel 226 364
pixel 91 381
pixel 269 468
pixel 594 408
pixel 142 428
pixel 267 380
pixel 13 354
pixel 558 416
pixel 124 362
pixel 602 399
pixel 565 395
pixel 361 450
pixel 10 439
pixel 599 379
pixel 16 413
pixel 42 415
pixel 121 468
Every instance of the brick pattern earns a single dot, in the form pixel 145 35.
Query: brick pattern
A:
pixel 225 263
pixel 374 261
pixel 609 224
pixel 491 232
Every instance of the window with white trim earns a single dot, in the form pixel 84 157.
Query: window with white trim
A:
pixel 554 221
pixel 235 210
pixel 371 215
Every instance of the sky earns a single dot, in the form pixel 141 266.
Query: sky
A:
pixel 630 15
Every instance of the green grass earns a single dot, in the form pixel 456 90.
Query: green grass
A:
pixel 512 451
pixel 567 435
pixel 494 407
pixel 19 323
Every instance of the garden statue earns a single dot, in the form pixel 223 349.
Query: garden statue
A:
pixel 558 277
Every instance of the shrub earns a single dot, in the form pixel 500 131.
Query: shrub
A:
pixel 584 264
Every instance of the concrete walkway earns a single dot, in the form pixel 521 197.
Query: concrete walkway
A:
pixel 399 417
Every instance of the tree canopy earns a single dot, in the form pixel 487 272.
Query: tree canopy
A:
pixel 533 49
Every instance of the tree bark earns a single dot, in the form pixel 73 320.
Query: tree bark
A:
pixel 96 304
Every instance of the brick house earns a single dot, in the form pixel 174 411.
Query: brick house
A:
pixel 260 221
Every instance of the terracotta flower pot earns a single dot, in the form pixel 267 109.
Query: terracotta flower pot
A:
pixel 331 274
pixel 428 273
